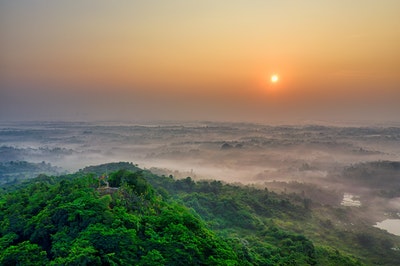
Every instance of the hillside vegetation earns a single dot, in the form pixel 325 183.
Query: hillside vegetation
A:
pixel 145 219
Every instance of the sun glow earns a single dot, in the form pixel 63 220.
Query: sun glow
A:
pixel 274 78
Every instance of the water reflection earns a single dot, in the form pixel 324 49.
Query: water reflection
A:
pixel 390 225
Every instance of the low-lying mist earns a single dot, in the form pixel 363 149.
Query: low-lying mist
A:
pixel 338 160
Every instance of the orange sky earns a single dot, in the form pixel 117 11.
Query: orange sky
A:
pixel 208 60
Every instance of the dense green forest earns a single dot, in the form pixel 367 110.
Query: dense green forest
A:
pixel 134 217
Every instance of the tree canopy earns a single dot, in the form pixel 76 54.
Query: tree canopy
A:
pixel 153 220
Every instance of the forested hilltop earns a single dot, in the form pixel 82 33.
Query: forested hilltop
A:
pixel 133 217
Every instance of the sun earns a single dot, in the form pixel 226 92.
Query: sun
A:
pixel 274 78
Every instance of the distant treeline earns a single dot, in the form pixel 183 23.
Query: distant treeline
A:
pixel 383 176
pixel 15 171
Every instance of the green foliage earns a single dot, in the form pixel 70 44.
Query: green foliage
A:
pixel 70 223
pixel 240 213
pixel 150 220
pixel 24 253
pixel 332 257
pixel 110 168
pixel 153 258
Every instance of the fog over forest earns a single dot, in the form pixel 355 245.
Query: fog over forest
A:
pixel 349 165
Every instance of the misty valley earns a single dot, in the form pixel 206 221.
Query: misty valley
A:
pixel 200 133
pixel 199 193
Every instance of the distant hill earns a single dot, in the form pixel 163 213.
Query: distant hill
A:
pixel 15 171
pixel 110 167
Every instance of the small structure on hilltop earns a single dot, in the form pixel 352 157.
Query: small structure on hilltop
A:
pixel 104 186
pixel 103 179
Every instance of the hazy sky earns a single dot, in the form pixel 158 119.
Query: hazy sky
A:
pixel 207 60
